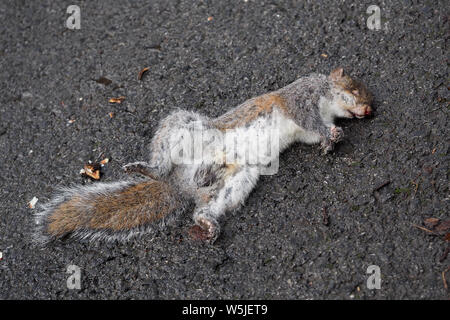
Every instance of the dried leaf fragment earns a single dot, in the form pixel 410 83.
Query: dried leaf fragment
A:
pixel 325 217
pixel 141 73
pixel 424 229
pixel 437 226
pixel 32 203
pixel 444 279
pixel 117 100
pixel 431 222
pixel 104 161
pixel 91 170
pixel 443 226
pixel 382 185
pixel 103 80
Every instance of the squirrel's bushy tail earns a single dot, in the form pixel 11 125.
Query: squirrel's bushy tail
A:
pixel 107 211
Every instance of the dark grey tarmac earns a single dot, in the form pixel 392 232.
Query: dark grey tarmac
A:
pixel 277 246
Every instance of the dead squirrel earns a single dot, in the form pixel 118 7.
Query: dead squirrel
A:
pixel 302 111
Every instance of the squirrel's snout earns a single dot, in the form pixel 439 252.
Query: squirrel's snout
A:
pixel 361 111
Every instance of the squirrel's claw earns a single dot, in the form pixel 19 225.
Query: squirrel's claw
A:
pixel 204 230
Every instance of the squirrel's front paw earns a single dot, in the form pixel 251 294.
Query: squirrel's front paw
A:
pixel 204 230
pixel 336 134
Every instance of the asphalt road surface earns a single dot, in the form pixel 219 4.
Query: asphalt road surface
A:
pixel 387 176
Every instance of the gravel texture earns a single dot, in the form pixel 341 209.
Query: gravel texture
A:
pixel 277 246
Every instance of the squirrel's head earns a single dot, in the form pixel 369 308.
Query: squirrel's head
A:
pixel 350 97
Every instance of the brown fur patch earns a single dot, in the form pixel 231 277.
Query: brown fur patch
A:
pixel 230 169
pixel 267 101
pixel 65 218
pixel 251 110
pixel 134 206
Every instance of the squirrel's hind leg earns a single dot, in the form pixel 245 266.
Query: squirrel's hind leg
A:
pixel 142 168
pixel 237 184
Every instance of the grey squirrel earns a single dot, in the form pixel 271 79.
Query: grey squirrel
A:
pixel 219 180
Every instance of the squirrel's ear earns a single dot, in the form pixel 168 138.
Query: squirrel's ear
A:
pixel 337 74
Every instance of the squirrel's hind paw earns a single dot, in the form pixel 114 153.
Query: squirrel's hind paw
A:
pixel 205 230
